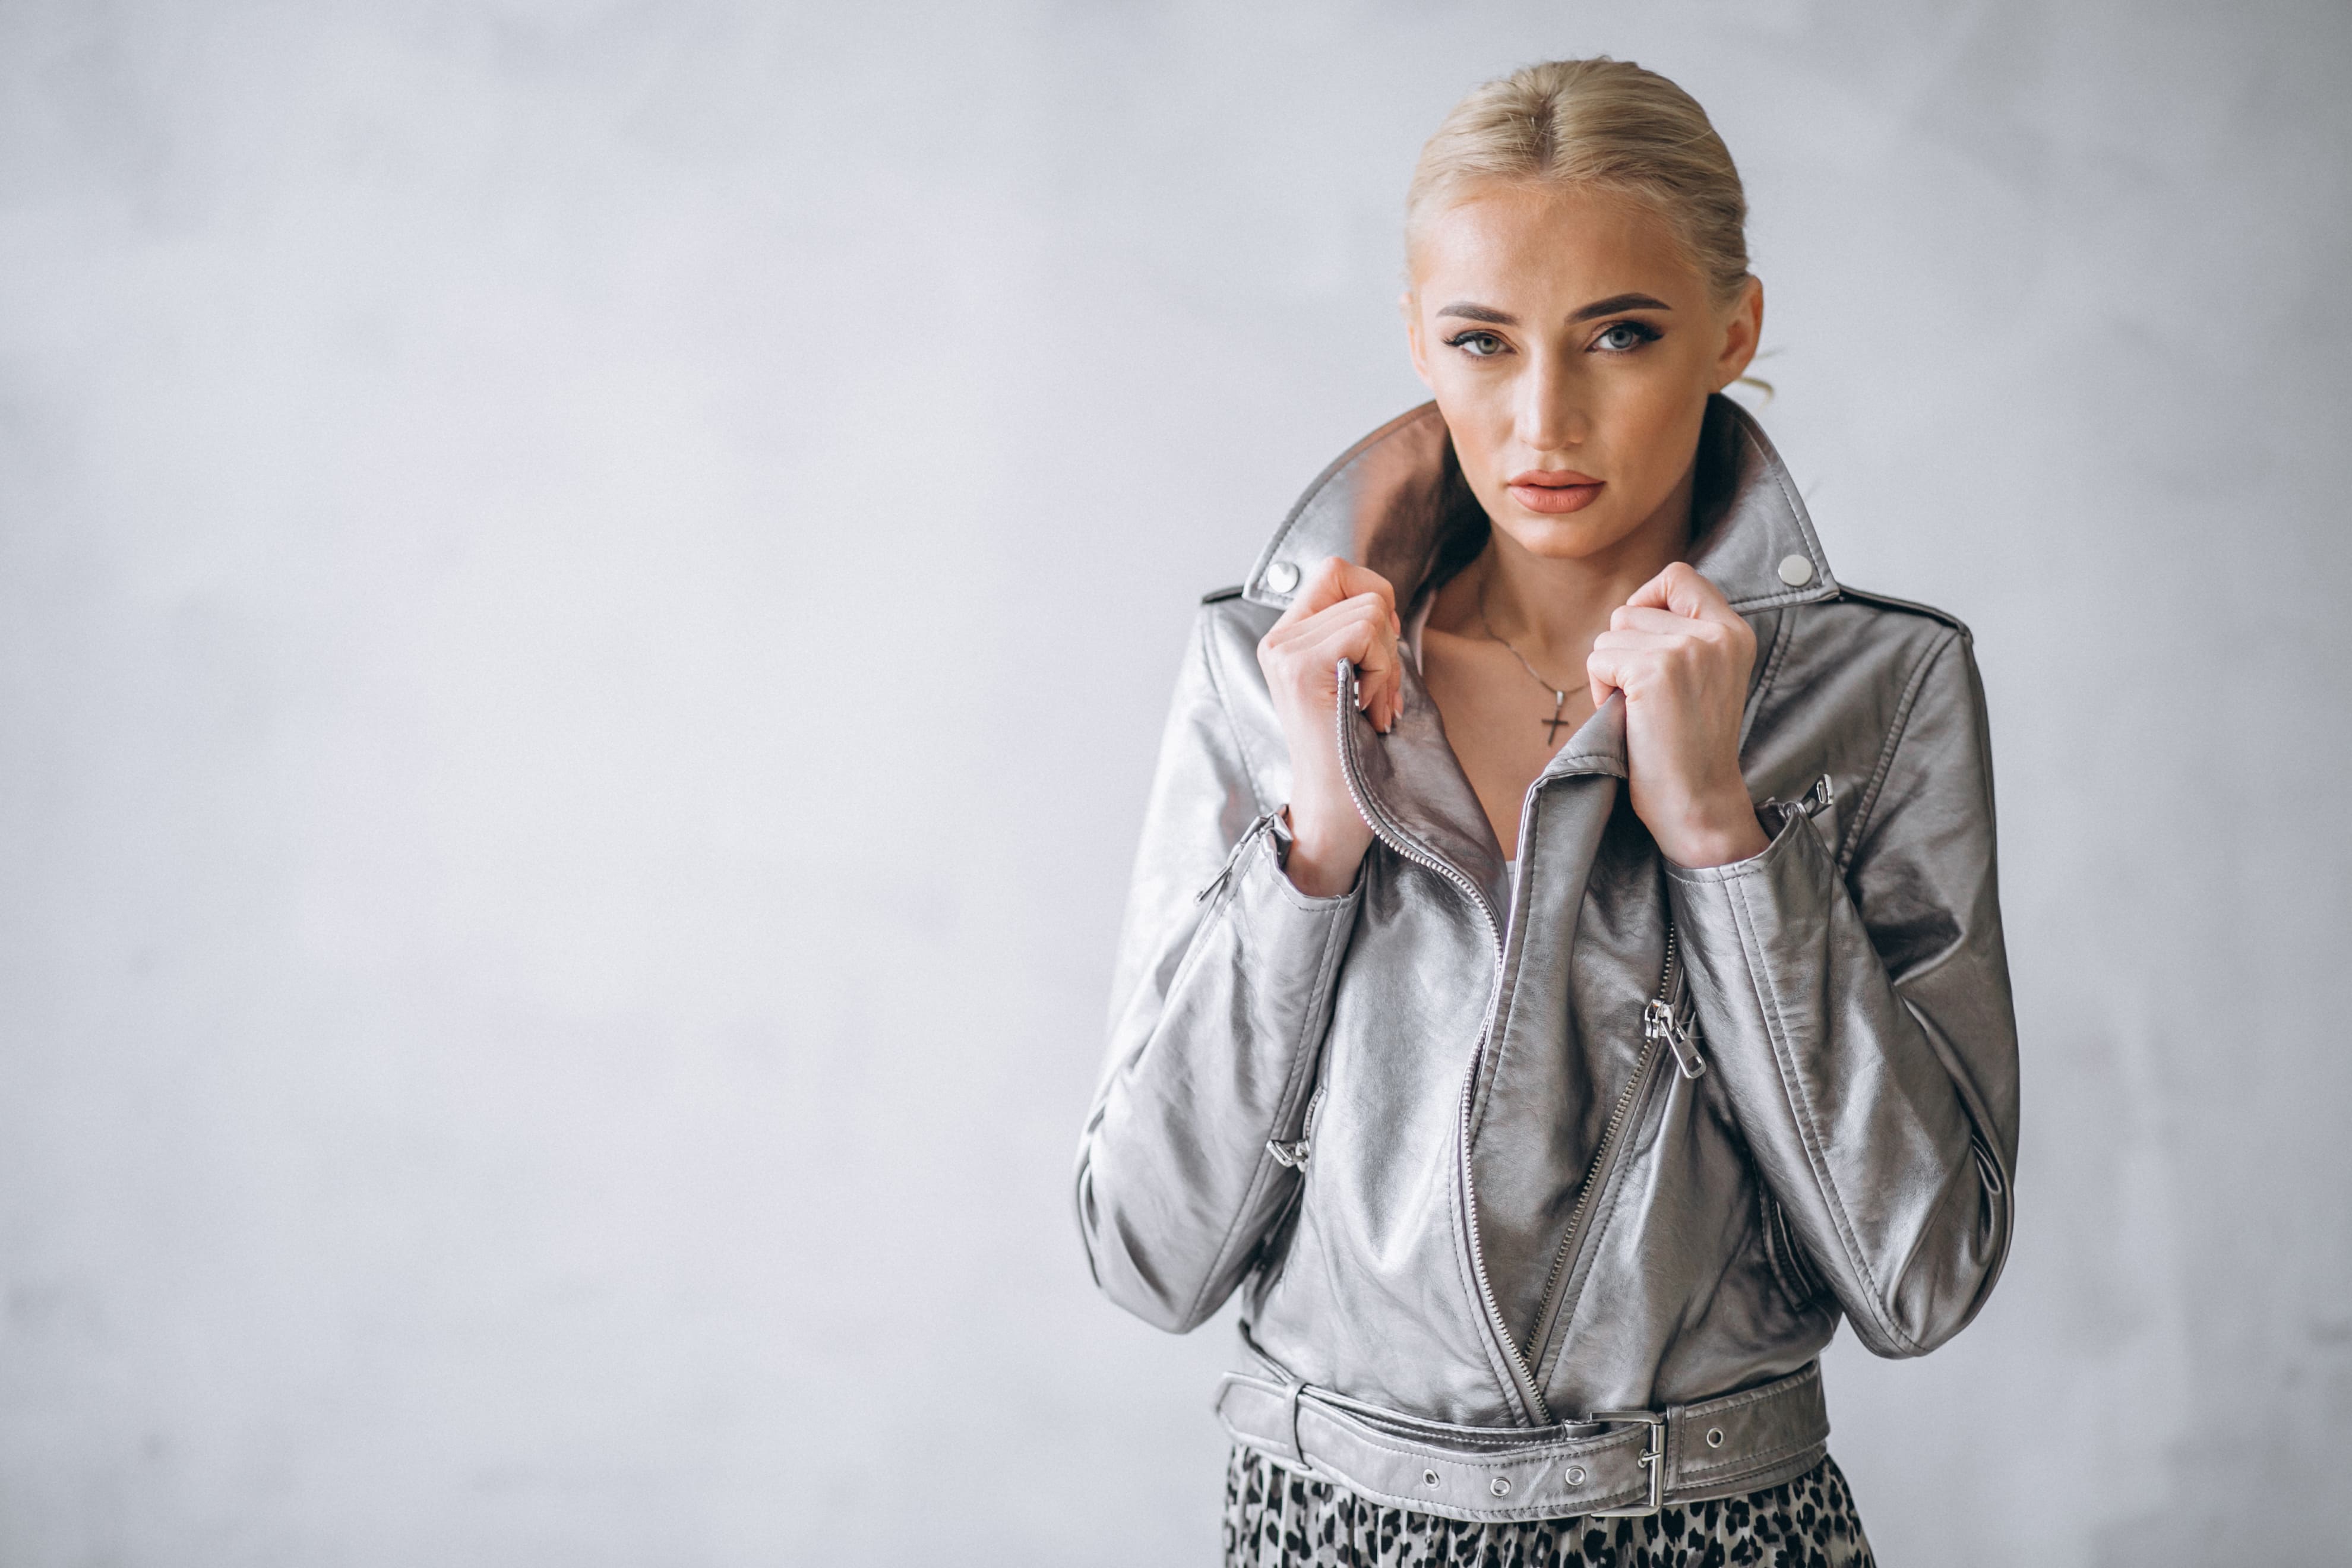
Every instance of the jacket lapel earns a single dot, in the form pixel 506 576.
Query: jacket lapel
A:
pixel 1396 502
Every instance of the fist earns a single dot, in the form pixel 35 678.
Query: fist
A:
pixel 1342 613
pixel 1682 656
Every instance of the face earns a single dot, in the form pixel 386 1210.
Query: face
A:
pixel 1571 347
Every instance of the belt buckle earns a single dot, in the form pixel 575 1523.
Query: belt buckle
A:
pixel 1653 1459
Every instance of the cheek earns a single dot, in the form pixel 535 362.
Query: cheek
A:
pixel 1654 418
pixel 1656 387
pixel 1477 410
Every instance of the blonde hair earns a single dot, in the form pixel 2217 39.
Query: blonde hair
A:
pixel 1603 123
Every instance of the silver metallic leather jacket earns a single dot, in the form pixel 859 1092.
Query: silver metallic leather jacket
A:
pixel 1547 1188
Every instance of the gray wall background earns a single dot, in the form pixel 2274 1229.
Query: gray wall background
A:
pixel 585 598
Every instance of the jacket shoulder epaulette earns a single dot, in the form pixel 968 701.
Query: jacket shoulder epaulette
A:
pixel 1909 607
pixel 1218 595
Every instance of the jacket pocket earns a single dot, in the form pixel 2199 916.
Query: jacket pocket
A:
pixel 1792 1269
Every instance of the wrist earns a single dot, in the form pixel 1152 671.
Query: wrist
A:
pixel 1321 859
pixel 1713 831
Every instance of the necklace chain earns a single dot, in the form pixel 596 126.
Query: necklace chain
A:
pixel 1559 693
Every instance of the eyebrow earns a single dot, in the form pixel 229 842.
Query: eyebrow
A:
pixel 1470 313
pixel 1616 303
pixel 1609 307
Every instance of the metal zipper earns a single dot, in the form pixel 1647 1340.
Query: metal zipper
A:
pixel 1659 1026
pixel 1294 1155
pixel 1394 837
pixel 1604 1153
pixel 1265 822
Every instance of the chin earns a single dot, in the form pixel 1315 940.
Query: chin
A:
pixel 1556 538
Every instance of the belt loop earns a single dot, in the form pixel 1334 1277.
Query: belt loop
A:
pixel 1296 1447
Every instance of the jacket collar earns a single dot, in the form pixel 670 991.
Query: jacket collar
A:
pixel 1396 502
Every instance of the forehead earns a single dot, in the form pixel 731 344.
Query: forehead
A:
pixel 1536 242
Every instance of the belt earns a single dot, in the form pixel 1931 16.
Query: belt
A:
pixel 1616 1462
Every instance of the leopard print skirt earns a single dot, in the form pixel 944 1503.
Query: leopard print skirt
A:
pixel 1278 1518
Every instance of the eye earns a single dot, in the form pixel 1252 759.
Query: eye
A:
pixel 1477 345
pixel 1624 337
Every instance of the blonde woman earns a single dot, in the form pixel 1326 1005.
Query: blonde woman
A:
pixel 1563 976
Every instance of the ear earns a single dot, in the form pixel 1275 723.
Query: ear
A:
pixel 1743 329
pixel 1409 306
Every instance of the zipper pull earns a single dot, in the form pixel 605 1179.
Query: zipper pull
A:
pixel 1659 1023
pixel 1813 803
pixel 1294 1155
pixel 1265 822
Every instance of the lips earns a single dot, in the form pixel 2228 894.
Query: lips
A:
pixel 1554 489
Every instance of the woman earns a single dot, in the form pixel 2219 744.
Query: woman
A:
pixel 1563 976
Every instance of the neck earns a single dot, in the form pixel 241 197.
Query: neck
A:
pixel 1552 607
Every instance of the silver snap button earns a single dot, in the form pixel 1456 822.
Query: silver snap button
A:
pixel 1429 1477
pixel 1795 571
pixel 1499 1487
pixel 1575 1477
pixel 1715 1437
pixel 1282 576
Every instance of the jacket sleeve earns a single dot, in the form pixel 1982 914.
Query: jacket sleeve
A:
pixel 1221 997
pixel 1863 1024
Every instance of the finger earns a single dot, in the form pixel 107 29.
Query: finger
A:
pixel 1333 579
pixel 1363 629
pixel 1360 638
pixel 1368 609
pixel 1354 579
pixel 1601 675
pixel 1320 590
pixel 1359 583
pixel 1681 589
pixel 1642 642
pixel 1392 700
pixel 1665 623
pixel 1367 640
pixel 1633 662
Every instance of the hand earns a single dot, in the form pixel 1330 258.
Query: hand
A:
pixel 1681 656
pixel 1341 612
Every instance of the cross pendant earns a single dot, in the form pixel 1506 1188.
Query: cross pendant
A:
pixel 1555 724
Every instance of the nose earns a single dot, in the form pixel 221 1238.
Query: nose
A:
pixel 1551 417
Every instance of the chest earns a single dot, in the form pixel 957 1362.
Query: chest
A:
pixel 1503 722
